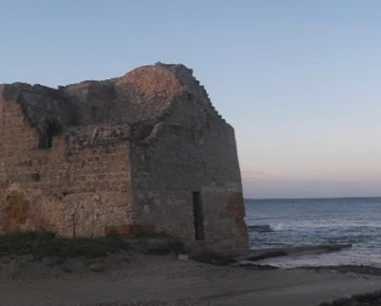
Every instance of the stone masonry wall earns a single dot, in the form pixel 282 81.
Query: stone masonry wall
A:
pixel 182 160
pixel 57 188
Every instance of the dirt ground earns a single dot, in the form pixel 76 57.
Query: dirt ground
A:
pixel 131 279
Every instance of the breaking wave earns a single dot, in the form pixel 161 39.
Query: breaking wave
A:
pixel 265 228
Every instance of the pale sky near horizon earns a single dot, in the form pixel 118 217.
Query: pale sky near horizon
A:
pixel 298 79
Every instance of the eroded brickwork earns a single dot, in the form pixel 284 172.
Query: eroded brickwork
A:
pixel 164 176
pixel 71 184
pixel 123 155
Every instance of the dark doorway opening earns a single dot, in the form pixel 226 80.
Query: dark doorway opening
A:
pixel 198 216
pixel 46 137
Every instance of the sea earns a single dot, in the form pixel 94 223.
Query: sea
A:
pixel 308 222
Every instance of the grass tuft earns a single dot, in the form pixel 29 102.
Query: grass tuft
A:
pixel 46 244
pixel 150 235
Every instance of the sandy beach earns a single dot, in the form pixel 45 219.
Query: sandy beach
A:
pixel 164 280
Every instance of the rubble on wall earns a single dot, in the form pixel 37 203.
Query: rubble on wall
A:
pixel 98 134
pixel 136 104
pixel 41 105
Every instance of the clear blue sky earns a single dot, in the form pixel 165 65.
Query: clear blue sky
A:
pixel 299 80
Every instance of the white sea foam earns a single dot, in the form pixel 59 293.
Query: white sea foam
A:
pixel 309 222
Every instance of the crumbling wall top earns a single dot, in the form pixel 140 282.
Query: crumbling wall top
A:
pixel 41 105
pixel 143 96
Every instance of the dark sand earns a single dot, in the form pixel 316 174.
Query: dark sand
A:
pixel 164 280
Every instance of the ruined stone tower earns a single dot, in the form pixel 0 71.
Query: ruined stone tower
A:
pixel 143 152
